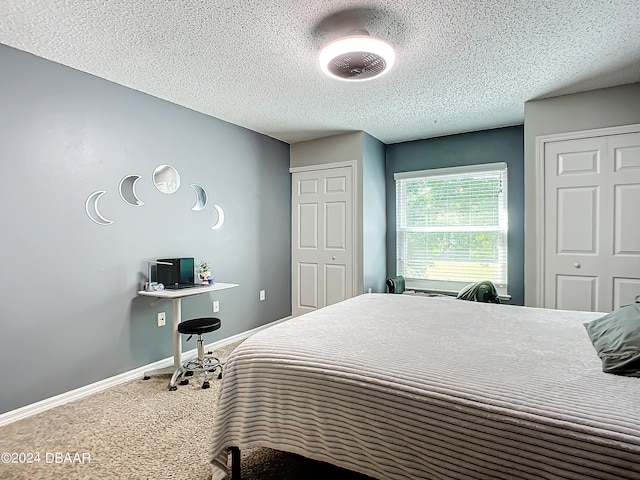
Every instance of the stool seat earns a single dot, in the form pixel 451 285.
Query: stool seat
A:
pixel 204 364
pixel 198 326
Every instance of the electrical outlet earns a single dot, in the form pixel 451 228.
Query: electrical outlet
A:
pixel 161 319
pixel 263 295
pixel 216 306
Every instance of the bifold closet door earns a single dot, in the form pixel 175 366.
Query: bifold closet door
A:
pixel 322 243
pixel 592 227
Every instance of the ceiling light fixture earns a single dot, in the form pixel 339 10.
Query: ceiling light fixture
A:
pixel 357 57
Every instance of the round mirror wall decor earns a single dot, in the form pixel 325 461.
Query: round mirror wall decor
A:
pixel 166 179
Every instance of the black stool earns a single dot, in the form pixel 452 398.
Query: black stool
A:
pixel 203 363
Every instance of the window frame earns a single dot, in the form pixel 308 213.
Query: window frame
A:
pixel 448 286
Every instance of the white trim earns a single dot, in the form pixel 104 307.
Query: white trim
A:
pixel 493 170
pixel 137 373
pixel 450 293
pixel 541 142
pixel 324 166
pixel 461 170
pixel 446 286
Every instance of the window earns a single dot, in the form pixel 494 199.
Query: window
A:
pixel 451 227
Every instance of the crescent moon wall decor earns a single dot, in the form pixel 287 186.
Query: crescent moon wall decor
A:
pixel 91 207
pixel 127 190
pixel 220 220
pixel 201 197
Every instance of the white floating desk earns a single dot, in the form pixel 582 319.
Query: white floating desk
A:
pixel 176 297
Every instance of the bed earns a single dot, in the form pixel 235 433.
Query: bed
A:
pixel 409 387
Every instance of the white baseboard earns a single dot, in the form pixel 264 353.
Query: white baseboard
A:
pixel 78 393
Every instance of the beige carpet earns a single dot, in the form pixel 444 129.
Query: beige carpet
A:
pixel 139 430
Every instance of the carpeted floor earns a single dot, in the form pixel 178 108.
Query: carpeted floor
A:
pixel 138 430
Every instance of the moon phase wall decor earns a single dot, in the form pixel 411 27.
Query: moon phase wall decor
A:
pixel 201 197
pixel 91 206
pixel 128 190
pixel 220 219
pixel 167 180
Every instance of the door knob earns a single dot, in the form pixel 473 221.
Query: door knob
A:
pixel 577 265
pixel 333 258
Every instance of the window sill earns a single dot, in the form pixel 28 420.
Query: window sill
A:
pixel 450 293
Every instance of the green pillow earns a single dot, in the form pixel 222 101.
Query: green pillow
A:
pixel 616 338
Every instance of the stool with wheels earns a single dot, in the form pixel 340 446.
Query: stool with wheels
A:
pixel 202 363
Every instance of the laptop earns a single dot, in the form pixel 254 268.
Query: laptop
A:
pixel 180 274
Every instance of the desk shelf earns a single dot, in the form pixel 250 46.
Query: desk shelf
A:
pixel 187 292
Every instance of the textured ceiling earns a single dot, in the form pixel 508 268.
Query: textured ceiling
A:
pixel 461 65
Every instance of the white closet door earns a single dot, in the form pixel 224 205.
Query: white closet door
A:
pixel 592 240
pixel 322 243
pixel 624 266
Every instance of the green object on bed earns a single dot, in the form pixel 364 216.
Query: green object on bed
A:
pixel 484 291
pixel 616 338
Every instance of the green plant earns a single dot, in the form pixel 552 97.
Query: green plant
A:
pixel 204 267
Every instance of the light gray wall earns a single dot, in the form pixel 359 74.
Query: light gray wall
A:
pixel 608 107
pixel 70 314
pixel 374 214
pixel 338 148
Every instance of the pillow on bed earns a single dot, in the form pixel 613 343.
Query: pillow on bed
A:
pixel 616 338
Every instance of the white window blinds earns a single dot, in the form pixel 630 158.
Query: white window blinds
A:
pixel 451 226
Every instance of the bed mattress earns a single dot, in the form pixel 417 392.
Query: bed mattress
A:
pixel 408 387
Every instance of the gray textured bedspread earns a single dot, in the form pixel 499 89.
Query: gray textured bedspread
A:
pixel 407 387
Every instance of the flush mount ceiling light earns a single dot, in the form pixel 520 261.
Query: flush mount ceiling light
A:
pixel 357 57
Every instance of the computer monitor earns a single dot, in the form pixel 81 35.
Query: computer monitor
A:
pixel 180 272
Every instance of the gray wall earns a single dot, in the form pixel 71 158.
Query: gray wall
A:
pixel 70 285
pixel 488 146
pixel 603 108
pixel 374 214
pixel 70 314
